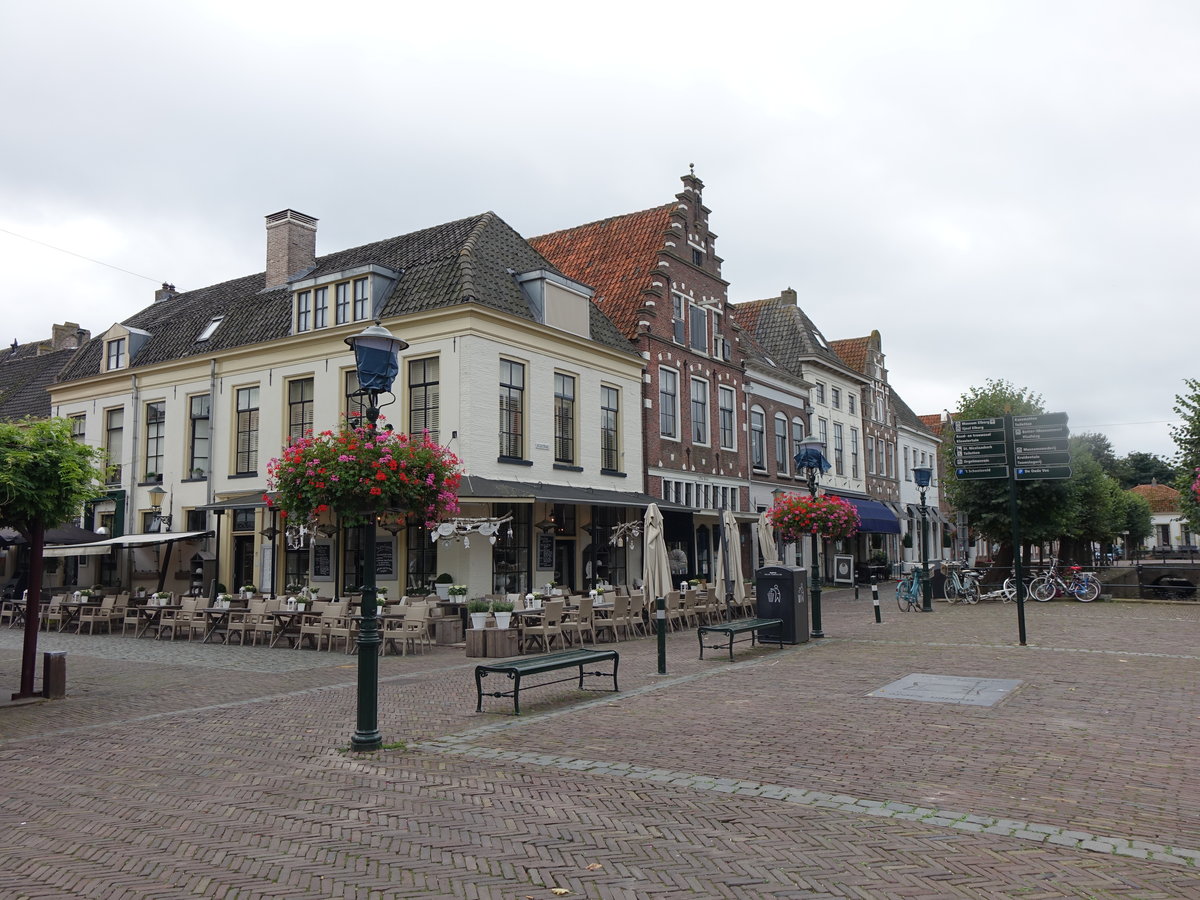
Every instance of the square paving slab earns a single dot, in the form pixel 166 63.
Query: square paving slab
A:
pixel 948 689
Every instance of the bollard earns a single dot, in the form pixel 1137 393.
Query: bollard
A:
pixel 54 674
pixel 875 600
pixel 855 590
pixel 660 616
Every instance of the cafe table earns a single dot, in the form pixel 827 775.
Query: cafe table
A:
pixel 18 613
pixel 216 618
pixel 69 611
pixel 150 616
pixel 286 624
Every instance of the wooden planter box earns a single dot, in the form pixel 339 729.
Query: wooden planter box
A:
pixel 502 642
pixel 449 630
pixel 476 642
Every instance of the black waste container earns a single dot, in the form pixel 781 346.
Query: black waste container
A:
pixel 782 593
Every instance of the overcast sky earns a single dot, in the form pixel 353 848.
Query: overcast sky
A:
pixel 1004 190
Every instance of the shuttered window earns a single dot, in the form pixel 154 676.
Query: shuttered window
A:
pixel 247 431
pixel 424 398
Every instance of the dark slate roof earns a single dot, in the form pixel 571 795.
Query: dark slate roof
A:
pixel 25 376
pixel 905 416
pixel 786 333
pixel 466 261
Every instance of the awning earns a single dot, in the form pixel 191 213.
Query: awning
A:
pixel 934 514
pixel 247 500
pixel 63 534
pixel 876 518
pixel 99 548
pixel 474 489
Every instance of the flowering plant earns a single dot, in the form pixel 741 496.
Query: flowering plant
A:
pixel 358 472
pixel 829 516
pixel 458 590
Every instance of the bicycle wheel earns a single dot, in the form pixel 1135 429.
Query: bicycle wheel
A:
pixel 1010 589
pixel 1088 589
pixel 1041 589
pixel 952 591
pixel 903 591
pixel 970 591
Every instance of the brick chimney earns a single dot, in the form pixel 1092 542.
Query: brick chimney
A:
pixel 788 295
pixel 291 245
pixel 166 292
pixel 68 336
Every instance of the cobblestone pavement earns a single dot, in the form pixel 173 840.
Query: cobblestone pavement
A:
pixel 177 770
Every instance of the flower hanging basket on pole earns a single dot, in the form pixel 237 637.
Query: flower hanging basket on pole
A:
pixel 357 473
pixel 795 516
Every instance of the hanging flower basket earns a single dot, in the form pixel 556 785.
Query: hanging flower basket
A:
pixel 358 472
pixel 795 516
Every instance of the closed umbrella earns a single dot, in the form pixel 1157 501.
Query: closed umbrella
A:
pixel 656 567
pixel 766 541
pixel 729 562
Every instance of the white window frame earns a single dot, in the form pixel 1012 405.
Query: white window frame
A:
pixel 701 427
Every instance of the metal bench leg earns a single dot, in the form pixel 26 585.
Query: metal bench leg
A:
pixel 517 694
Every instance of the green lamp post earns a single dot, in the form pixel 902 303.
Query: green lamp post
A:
pixel 811 458
pixel 923 475
pixel 376 358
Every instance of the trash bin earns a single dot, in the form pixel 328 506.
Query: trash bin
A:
pixel 937 580
pixel 782 593
pixel 54 674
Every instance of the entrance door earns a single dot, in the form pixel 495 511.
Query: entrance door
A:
pixel 564 564
pixel 243 562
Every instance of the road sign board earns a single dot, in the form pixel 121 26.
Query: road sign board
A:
pixel 968 472
pixel 1053 445
pixel 1041 432
pixel 982 455
pixel 1035 473
pixel 1056 418
pixel 1049 458
pixel 979 426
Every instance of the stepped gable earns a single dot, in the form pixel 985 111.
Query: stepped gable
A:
pixel 617 257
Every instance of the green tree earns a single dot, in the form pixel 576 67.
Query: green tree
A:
pixel 1044 507
pixel 1143 468
pixel 1186 436
pixel 1100 449
pixel 45 476
pixel 1135 521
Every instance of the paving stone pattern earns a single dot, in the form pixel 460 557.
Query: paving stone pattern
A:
pixel 186 770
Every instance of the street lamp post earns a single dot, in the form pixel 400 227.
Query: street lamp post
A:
pixel 811 458
pixel 376 358
pixel 923 475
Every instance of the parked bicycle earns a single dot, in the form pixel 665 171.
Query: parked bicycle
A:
pixel 962 583
pixel 1083 586
pixel 1009 587
pixel 908 592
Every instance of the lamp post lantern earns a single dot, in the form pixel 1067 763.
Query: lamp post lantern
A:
pixel 811 458
pixel 922 475
pixel 376 359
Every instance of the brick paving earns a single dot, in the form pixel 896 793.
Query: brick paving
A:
pixel 177 770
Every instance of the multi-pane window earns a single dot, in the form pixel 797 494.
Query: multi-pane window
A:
pixel 360 298
pixel 797 436
pixel 424 397
pixel 907 470
pixel 78 426
pixel 115 354
pixel 853 452
pixel 114 442
pixel 564 418
pixel 320 307
pixel 699 411
pixel 356 403
pixel 512 409
pixel 156 422
pixel 677 307
pixel 835 397
pixel 699 336
pixel 819 391
pixel 199 432
pixel 303 311
pixel 247 431
pixel 610 419
pixel 870 455
pixel 852 403
pixel 300 408
pixel 726 399
pixel 839 450
pixel 781 444
pixel 341 303
pixel 668 403
pixel 422 559
pixel 758 439
pixel 823 434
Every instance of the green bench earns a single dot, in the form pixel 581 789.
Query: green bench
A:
pixel 516 669
pixel 731 630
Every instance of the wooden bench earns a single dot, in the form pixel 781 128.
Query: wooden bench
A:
pixel 516 669
pixel 731 630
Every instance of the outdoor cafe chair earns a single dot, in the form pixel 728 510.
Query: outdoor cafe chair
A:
pixel 51 613
pixel 183 618
pixel 676 617
pixel 579 621
pixel 242 622
pixel 637 613
pixel 614 620
pixel 545 628
pixel 102 614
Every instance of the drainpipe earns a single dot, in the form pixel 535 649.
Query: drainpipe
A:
pixel 133 479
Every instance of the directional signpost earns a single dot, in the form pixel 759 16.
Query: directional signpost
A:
pixel 1018 448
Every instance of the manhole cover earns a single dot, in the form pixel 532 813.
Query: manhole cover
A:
pixel 948 689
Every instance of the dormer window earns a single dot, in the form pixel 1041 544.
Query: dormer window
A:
pixel 211 327
pixel 114 353
pixel 303 311
pixel 321 307
pixel 354 294
pixel 360 299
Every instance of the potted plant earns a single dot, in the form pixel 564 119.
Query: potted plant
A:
pixel 442 585
pixel 248 590
pixel 457 590
pixel 693 583
pixel 223 600
pixel 478 610
pixel 502 610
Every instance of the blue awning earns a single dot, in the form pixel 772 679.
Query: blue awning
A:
pixel 876 518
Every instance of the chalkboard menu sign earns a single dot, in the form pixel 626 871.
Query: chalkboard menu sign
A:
pixel 545 552
pixel 385 557
pixel 322 561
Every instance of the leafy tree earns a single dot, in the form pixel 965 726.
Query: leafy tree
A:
pixel 45 476
pixel 1134 518
pixel 1186 436
pixel 1143 468
pixel 1100 449
pixel 1044 507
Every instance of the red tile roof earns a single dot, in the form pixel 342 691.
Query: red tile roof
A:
pixel 1161 497
pixel 853 352
pixel 617 257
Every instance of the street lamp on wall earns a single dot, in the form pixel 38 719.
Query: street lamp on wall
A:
pixel 923 475
pixel 161 522
pixel 810 457
pixel 377 362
